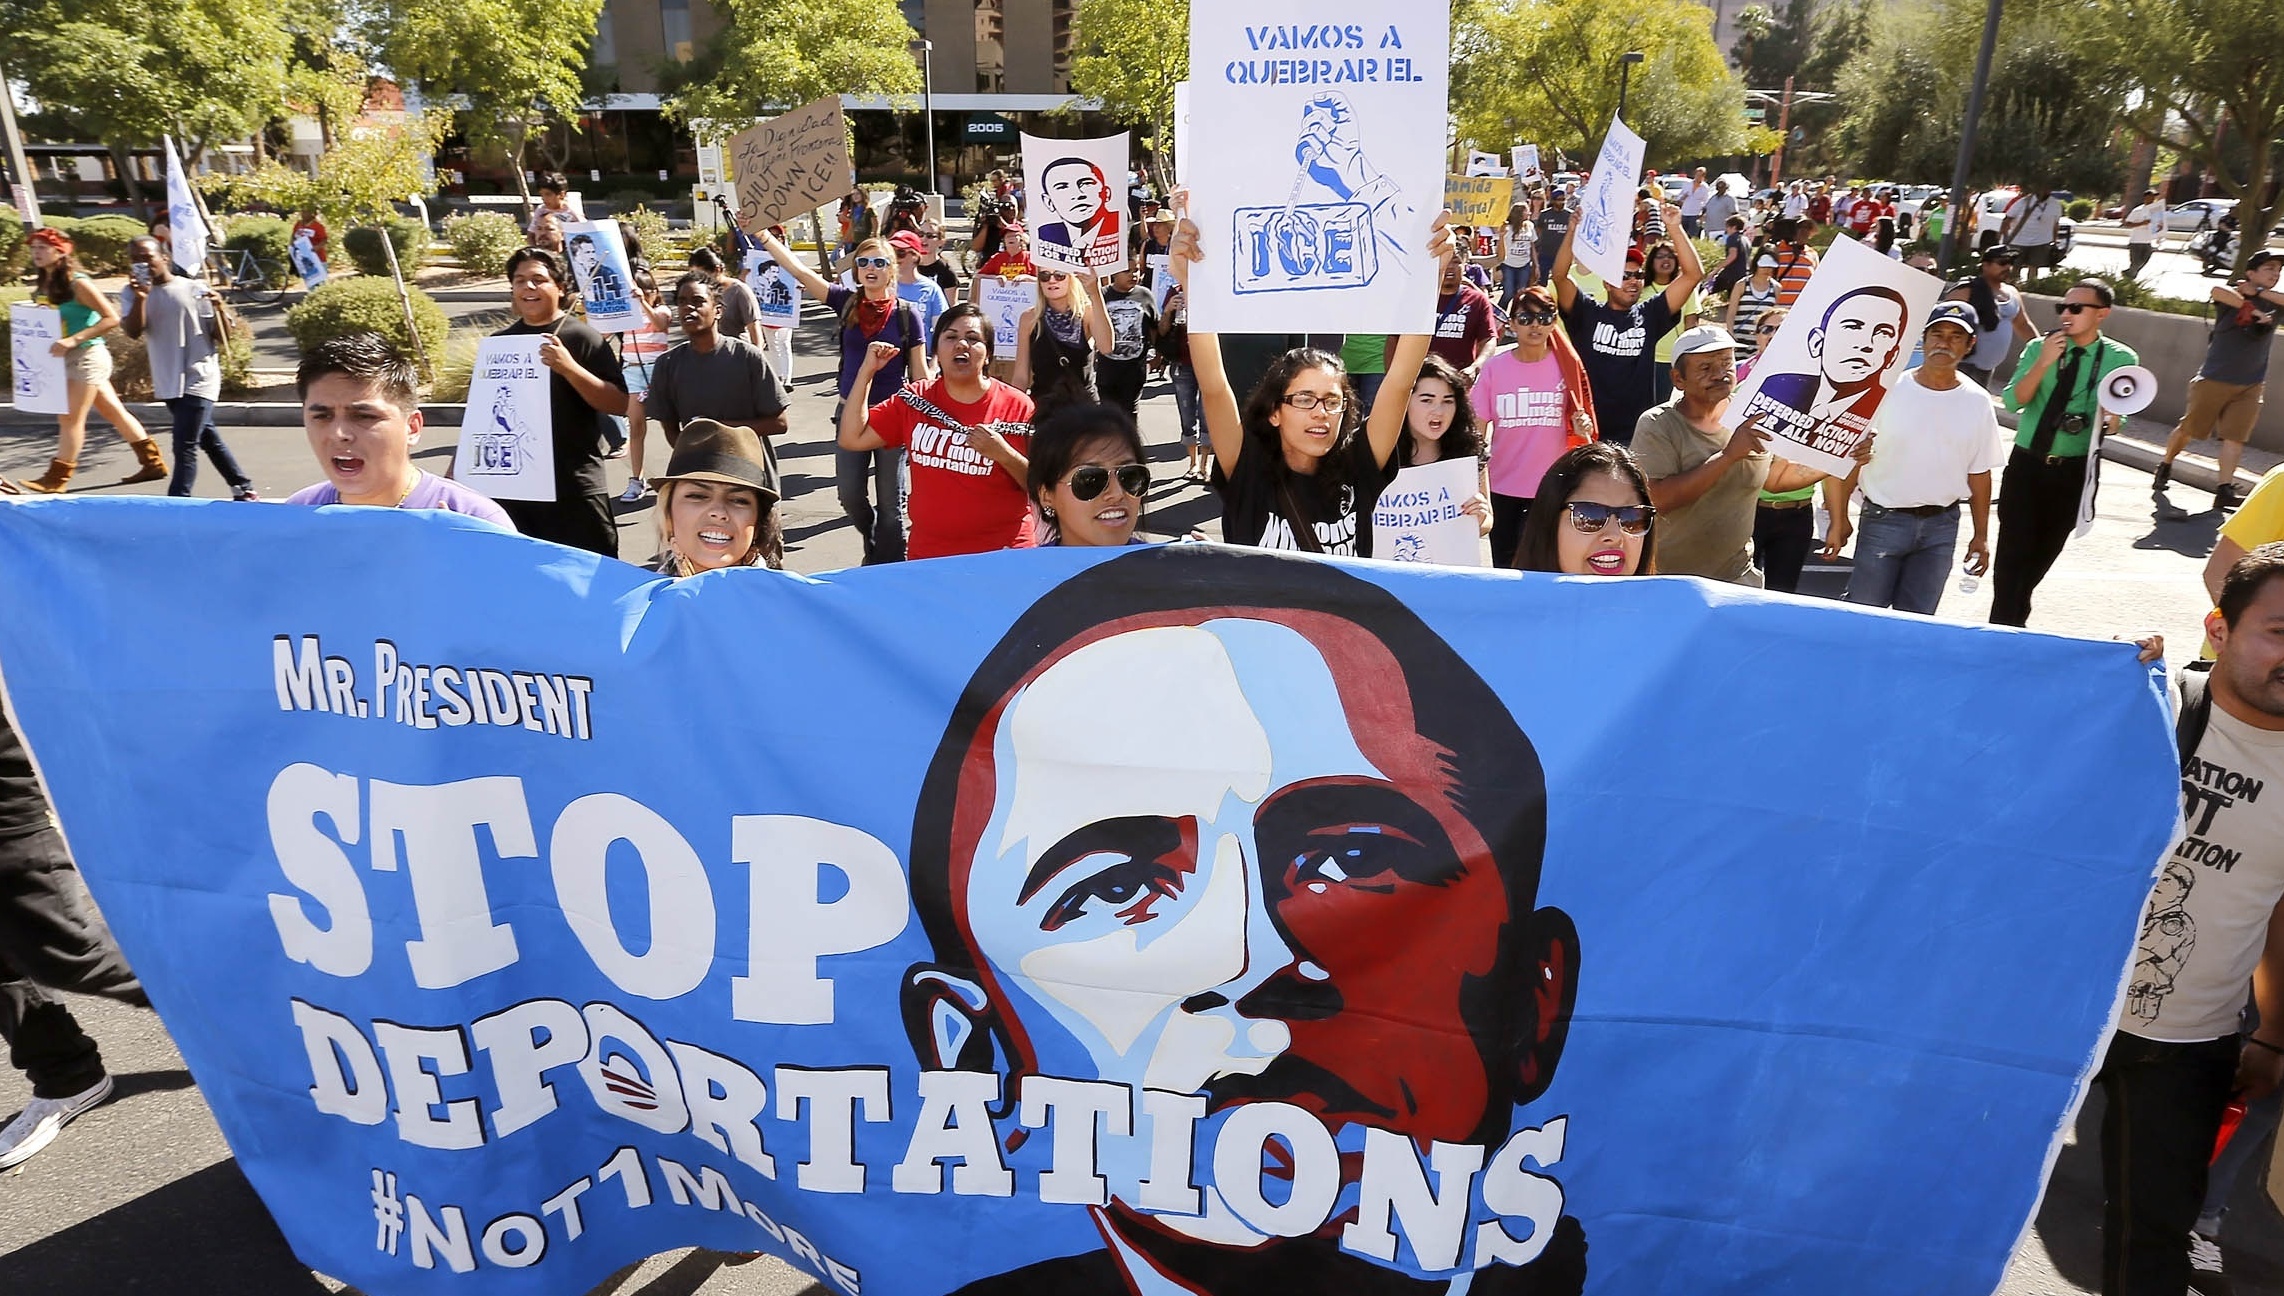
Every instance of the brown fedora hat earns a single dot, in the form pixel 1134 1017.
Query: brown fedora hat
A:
pixel 719 452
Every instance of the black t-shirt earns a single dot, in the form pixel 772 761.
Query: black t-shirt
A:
pixel 1255 511
pixel 946 278
pixel 1132 322
pixel 1619 350
pixel 578 425
pixel 23 807
pixel 1554 224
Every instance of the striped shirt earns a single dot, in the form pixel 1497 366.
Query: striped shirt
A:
pixel 1795 264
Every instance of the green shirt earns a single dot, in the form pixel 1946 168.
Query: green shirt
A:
pixel 2083 397
pixel 1365 353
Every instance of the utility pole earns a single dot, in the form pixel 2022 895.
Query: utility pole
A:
pixel 19 168
pixel 1966 159
pixel 928 104
pixel 1784 133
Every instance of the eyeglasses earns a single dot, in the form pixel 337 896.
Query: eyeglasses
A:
pixel 1765 329
pixel 1052 276
pixel 1633 274
pixel 1533 317
pixel 872 263
pixel 1093 479
pixel 2072 308
pixel 1312 401
pixel 1633 519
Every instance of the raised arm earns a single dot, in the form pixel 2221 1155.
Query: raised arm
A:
pixel 1098 329
pixel 855 432
pixel 1020 376
pixel 1384 422
pixel 811 282
pixel 1692 268
pixel 1218 404
pixel 1565 291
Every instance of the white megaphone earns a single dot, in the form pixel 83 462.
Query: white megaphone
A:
pixel 2128 390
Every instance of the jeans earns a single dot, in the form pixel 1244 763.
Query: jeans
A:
pixel 1512 281
pixel 193 432
pixel 1782 538
pixel 881 528
pixel 1508 513
pixel 2259 1118
pixel 1119 382
pixel 2136 256
pixel 1189 408
pixel 2163 1113
pixel 1902 560
pixel 1693 226
pixel 51 937
pixel 2038 508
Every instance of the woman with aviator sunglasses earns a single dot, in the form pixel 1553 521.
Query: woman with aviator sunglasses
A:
pixel 1592 517
pixel 1535 403
pixel 1087 477
pixel 1057 341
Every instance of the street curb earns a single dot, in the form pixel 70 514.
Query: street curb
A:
pixel 2189 467
pixel 227 414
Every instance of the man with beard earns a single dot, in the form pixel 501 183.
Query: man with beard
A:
pixel 1204 914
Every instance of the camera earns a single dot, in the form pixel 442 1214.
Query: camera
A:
pixel 2073 424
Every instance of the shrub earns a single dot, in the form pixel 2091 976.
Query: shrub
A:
pixel 269 238
pixel 9 293
pixel 13 259
pixel 100 241
pixel 364 246
pixel 651 230
pixel 2080 209
pixel 482 241
pixel 2128 292
pixel 350 305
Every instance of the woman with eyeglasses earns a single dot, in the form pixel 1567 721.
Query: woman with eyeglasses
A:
pixel 1536 403
pixel 1300 464
pixel 1750 301
pixel 1592 517
pixel 1056 341
pixel 1087 477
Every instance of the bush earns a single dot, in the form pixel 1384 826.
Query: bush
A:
pixel 269 238
pixel 9 293
pixel 368 303
pixel 2128 291
pixel 364 246
pixel 13 259
pixel 482 241
pixel 651 230
pixel 2080 209
pixel 100 241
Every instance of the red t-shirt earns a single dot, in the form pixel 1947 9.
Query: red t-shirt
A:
pixel 1001 262
pixel 1462 322
pixel 961 501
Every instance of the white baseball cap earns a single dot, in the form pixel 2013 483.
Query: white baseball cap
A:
pixel 1703 338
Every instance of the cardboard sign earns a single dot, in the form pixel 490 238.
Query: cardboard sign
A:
pixel 1527 164
pixel 1073 203
pixel 1418 518
pixel 1004 301
pixel 606 277
pixel 39 383
pixel 774 288
pixel 507 437
pixel 1315 191
pixel 1847 340
pixel 1605 221
pixel 1161 266
pixel 790 165
pixel 1477 200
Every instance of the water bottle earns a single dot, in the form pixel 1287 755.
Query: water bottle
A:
pixel 1969 582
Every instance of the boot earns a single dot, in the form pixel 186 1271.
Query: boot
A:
pixel 152 464
pixel 2163 477
pixel 54 479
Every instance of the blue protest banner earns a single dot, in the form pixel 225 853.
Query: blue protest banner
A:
pixel 1176 919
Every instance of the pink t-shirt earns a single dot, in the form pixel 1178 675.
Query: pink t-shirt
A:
pixel 1520 404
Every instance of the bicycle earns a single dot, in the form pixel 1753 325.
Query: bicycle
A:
pixel 246 278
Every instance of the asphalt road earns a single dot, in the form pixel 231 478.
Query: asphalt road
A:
pixel 142 1196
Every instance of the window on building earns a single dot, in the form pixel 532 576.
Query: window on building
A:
pixel 990 46
pixel 915 13
pixel 674 26
pixel 605 51
pixel 1063 11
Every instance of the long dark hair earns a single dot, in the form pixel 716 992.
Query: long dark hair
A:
pixel 1538 550
pixel 1463 438
pixel 1269 396
pixel 1058 439
pixel 54 283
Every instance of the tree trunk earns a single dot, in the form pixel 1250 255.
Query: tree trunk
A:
pixel 515 161
pixel 126 166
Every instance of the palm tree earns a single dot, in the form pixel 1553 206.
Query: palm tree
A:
pixel 1754 23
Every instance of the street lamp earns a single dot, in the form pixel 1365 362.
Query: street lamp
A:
pixel 1966 158
pixel 1626 63
pixel 928 103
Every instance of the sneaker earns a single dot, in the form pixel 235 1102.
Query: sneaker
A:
pixel 633 493
pixel 2205 1276
pixel 2162 477
pixel 2225 498
pixel 44 1118
pixel 246 495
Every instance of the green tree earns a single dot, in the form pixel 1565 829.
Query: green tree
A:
pixel 1131 54
pixel 1808 42
pixel 1547 70
pixel 358 180
pixel 1754 23
pixel 772 55
pixel 513 61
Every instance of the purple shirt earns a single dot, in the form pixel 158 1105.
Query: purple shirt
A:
pixel 430 492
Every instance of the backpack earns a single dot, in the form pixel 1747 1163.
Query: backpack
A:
pixel 2194 713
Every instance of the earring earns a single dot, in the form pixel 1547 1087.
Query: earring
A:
pixel 1046 512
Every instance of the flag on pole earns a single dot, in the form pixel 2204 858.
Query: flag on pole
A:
pixel 184 216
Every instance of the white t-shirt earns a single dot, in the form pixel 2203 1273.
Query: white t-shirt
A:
pixel 2152 216
pixel 1796 205
pixel 2207 918
pixel 1693 198
pixel 2038 217
pixel 1929 443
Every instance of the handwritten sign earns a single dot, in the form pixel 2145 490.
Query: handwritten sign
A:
pixel 1476 200
pixel 1418 517
pixel 507 441
pixel 1004 301
pixel 606 278
pixel 1846 342
pixel 1606 212
pixel 789 165
pixel 39 382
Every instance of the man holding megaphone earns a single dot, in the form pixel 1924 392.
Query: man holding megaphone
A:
pixel 2224 397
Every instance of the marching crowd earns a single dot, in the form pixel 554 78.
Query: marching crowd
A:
pixel 1594 411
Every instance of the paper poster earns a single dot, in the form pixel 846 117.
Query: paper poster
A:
pixel 1605 221
pixel 1077 215
pixel 1418 518
pixel 1005 300
pixel 1181 133
pixel 606 280
pixel 186 222
pixel 1847 340
pixel 774 288
pixel 1315 195
pixel 40 386
pixel 1477 200
pixel 507 437
pixel 1161 267
pixel 1527 165
pixel 1485 164
pixel 790 165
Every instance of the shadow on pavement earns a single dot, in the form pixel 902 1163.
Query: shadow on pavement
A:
pixel 143 1082
pixel 215 1234
pixel 2176 529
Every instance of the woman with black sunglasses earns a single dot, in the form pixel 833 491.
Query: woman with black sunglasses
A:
pixel 1592 517
pixel 1087 477
pixel 1534 402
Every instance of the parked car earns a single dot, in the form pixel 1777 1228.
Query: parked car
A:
pixel 2197 214
pixel 1910 198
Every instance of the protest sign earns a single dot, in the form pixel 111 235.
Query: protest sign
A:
pixel 1605 221
pixel 40 384
pixel 1477 200
pixel 186 220
pixel 1181 132
pixel 1527 164
pixel 1074 202
pixel 606 278
pixel 1004 301
pixel 1313 194
pixel 513 935
pixel 1485 164
pixel 775 289
pixel 1161 267
pixel 790 165
pixel 1847 340
pixel 1418 518
pixel 507 436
